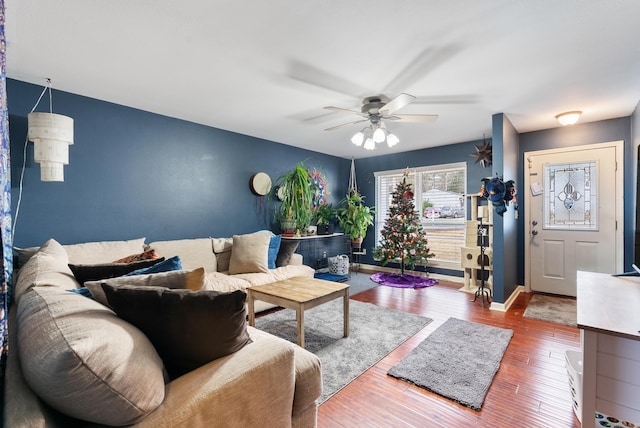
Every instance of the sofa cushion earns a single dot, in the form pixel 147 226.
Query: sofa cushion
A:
pixel 274 275
pixel 194 253
pixel 84 273
pixel 145 255
pixel 102 251
pixel 84 361
pixel 287 248
pixel 218 281
pixel 182 279
pixel 250 253
pixel 188 328
pixel 48 267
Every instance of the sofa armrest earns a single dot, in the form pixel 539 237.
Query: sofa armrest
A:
pixel 296 259
pixel 247 388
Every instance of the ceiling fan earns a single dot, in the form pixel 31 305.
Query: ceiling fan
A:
pixel 374 110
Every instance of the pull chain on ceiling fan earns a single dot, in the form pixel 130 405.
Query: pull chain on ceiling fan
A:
pixel 374 110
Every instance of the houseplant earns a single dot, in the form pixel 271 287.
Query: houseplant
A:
pixel 296 196
pixel 354 217
pixel 324 215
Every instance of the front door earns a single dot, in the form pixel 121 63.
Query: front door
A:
pixel 574 203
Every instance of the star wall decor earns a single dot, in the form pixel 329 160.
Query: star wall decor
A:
pixel 483 154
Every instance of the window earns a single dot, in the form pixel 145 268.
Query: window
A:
pixel 439 195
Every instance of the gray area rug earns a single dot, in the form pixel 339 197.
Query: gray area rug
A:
pixel 458 361
pixel 374 332
pixel 556 309
pixel 360 281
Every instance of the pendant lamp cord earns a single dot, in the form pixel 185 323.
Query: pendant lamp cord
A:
pixel 24 157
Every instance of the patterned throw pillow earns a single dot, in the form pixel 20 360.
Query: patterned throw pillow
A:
pixel 147 255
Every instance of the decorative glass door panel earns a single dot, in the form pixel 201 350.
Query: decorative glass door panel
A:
pixel 570 197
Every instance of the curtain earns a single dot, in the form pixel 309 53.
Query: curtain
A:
pixel 5 201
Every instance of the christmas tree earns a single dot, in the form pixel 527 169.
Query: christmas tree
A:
pixel 403 238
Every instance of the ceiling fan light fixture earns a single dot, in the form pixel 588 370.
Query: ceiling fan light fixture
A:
pixel 392 140
pixel 358 138
pixel 569 117
pixel 379 135
pixel 369 144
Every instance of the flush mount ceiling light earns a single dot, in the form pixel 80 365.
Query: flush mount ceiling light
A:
pixel 569 117
pixel 52 134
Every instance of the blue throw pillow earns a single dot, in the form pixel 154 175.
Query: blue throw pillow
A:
pixel 274 247
pixel 174 263
pixel 82 291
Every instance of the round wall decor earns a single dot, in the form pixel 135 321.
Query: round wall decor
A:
pixel 260 183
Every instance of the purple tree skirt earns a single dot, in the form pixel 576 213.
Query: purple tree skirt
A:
pixel 402 281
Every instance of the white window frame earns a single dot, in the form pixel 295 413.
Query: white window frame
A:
pixel 382 211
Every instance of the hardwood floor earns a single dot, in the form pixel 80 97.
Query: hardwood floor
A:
pixel 530 389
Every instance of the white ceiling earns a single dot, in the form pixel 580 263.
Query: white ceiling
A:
pixel 267 68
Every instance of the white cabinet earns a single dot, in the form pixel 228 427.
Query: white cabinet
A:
pixel 470 254
pixel 609 319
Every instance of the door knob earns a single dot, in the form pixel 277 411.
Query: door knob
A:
pixel 535 223
pixel 534 232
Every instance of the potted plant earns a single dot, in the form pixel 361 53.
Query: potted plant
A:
pixel 354 217
pixel 296 196
pixel 324 216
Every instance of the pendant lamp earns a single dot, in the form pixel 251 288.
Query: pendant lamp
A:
pixel 52 134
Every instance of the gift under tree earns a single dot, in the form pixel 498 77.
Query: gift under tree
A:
pixel 403 238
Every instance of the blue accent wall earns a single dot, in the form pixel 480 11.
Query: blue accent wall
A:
pixel 133 173
pixel 576 135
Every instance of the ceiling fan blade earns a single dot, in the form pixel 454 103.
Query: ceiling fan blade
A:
pixel 346 110
pixel 346 124
pixel 413 118
pixel 311 75
pixel 396 104
pixel 427 60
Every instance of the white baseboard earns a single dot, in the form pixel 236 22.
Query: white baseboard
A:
pixel 504 307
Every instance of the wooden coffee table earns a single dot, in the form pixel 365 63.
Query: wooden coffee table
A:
pixel 299 293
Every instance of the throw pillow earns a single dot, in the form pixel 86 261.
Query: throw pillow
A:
pixel 84 361
pixel 48 267
pixel 181 279
pixel 84 273
pixel 287 248
pixel 249 253
pixel 274 246
pixel 222 249
pixel 146 255
pixel 187 328
pixel 174 263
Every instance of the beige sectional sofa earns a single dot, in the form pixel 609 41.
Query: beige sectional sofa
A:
pixel 73 362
